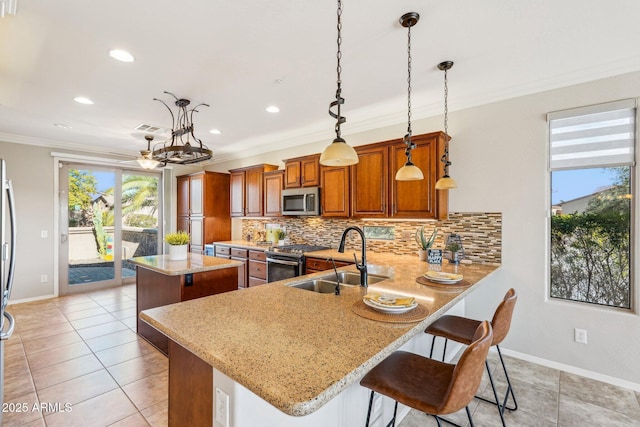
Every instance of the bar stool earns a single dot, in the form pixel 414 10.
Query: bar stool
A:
pixel 428 385
pixel 461 329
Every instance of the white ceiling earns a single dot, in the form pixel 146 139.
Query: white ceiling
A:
pixel 230 54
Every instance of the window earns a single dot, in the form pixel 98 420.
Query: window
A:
pixel 591 159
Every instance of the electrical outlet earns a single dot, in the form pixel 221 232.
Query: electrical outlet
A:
pixel 580 335
pixel 222 408
pixel 43 278
pixel 43 234
pixel 406 235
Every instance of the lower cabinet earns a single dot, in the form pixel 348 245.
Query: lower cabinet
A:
pixel 257 268
pixel 314 265
pixel 239 254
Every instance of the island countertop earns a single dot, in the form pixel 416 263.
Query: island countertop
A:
pixel 298 349
pixel 195 263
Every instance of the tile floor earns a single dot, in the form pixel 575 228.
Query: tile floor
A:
pixel 83 350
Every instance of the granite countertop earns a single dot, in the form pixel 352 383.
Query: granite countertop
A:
pixel 245 244
pixel 195 263
pixel 297 349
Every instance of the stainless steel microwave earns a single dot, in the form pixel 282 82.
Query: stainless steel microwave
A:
pixel 301 201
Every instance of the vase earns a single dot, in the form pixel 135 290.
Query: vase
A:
pixel 455 258
pixel 422 254
pixel 177 252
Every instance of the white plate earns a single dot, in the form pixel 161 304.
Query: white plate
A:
pixel 445 278
pixel 388 309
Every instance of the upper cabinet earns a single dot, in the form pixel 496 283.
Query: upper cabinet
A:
pixel 247 190
pixel 369 189
pixel 302 172
pixel 273 193
pixel 203 208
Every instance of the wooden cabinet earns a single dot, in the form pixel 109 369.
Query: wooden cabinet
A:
pixel 273 193
pixel 257 268
pixel 203 208
pixel 247 190
pixel 239 254
pixel 314 265
pixel 370 182
pixel 302 172
pixel 419 199
pixel 334 195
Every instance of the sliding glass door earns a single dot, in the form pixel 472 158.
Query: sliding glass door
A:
pixel 107 216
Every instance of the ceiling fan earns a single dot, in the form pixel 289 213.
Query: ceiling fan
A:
pixel 146 160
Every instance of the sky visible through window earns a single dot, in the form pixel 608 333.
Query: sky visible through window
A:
pixel 571 184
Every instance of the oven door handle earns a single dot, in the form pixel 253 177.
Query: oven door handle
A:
pixel 280 261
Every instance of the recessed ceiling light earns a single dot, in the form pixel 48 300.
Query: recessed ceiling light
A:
pixel 83 100
pixel 121 55
pixel 62 126
pixel 215 131
pixel 273 109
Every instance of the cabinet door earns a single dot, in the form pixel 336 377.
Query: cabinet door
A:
pixel 310 172
pixel 253 197
pixel 335 191
pixel 292 175
pixel 196 192
pixel 370 183
pixel 273 193
pixel 197 235
pixel 183 224
pixel 237 193
pixel 415 199
pixel 183 196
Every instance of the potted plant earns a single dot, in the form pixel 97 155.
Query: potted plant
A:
pixel 453 248
pixel 424 242
pixel 178 243
pixel 281 235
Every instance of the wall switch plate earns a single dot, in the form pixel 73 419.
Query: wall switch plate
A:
pixel 43 234
pixel 43 278
pixel 222 408
pixel 580 335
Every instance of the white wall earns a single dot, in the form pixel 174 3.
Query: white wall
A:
pixel 499 154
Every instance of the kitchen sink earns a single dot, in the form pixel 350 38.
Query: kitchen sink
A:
pixel 327 284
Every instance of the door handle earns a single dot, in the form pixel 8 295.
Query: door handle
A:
pixel 64 238
pixel 5 335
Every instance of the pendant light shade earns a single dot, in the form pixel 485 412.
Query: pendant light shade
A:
pixel 409 172
pixel 146 160
pixel 338 153
pixel 446 182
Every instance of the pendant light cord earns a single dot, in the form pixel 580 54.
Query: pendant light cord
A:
pixel 408 136
pixel 339 99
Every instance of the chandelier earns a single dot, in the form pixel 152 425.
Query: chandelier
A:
pixel 183 147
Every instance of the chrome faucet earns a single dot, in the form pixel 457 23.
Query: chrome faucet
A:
pixel 361 267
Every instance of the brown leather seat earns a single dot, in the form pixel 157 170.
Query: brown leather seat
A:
pixel 428 385
pixel 462 329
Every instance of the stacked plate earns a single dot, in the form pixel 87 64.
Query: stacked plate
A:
pixel 442 277
pixel 390 304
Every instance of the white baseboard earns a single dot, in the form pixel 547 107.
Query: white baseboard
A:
pixel 571 369
pixel 38 298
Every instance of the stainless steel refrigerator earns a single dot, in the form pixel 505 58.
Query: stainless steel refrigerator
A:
pixel 7 264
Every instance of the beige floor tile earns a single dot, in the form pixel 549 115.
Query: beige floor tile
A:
pixel 140 367
pixel 487 415
pixel 135 420
pixel 41 359
pixel 103 329
pixel 158 414
pixel 20 410
pixel 53 341
pixel 131 322
pixel 55 374
pixel 120 305
pixel 87 322
pixel 122 353
pixel 111 340
pixel 46 319
pixel 87 312
pixel 47 331
pixel 69 300
pixel 79 389
pixel 102 410
pixel 17 382
pixel 148 391
pixel 80 306
pixel 601 394
pixel 123 314
pixel 577 413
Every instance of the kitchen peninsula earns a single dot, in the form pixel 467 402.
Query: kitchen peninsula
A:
pixel 161 281
pixel 290 357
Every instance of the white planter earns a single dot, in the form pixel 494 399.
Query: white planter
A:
pixel 178 252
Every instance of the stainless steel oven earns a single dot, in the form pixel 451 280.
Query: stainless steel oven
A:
pixel 285 262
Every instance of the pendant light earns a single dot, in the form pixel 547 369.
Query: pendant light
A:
pixel 446 182
pixel 409 172
pixel 338 153
pixel 146 160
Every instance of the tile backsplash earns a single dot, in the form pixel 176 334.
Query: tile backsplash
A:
pixel 481 233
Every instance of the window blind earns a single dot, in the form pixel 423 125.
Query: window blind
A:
pixel 593 136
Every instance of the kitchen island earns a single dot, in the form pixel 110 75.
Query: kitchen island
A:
pixel 301 352
pixel 161 281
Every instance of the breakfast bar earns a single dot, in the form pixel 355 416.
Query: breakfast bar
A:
pixel 278 355
pixel 161 281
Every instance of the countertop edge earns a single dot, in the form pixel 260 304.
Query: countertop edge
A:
pixel 179 270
